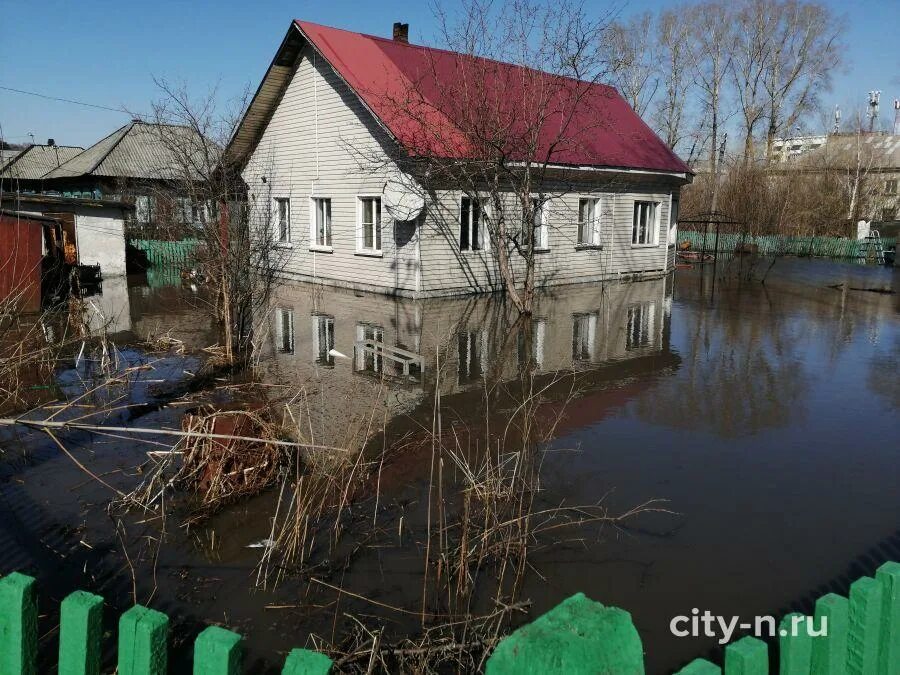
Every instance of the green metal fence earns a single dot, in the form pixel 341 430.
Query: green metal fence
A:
pixel 167 253
pixel 771 244
pixel 855 635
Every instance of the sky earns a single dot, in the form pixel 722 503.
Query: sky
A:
pixel 107 53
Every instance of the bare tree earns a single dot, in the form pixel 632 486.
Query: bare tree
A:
pixel 753 32
pixel 631 52
pixel 237 256
pixel 711 22
pixel 805 51
pixel 517 94
pixel 677 57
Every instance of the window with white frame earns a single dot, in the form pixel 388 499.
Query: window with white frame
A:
pixel 589 222
pixel 370 224
pixel 368 353
pixel 323 339
pixel 321 222
pixel 283 220
pixel 890 186
pixel 539 213
pixel 584 335
pixel 143 209
pixel 644 225
pixel 284 330
pixel 639 330
pixel 470 235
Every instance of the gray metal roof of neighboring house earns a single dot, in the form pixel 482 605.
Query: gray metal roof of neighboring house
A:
pixel 35 161
pixel 876 151
pixel 143 150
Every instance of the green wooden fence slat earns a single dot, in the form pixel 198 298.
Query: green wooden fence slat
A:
pixel 306 662
pixel 747 656
pixel 700 667
pixel 18 625
pixel 888 575
pixel 795 645
pixel 829 651
pixel 80 632
pixel 143 642
pixel 217 652
pixel 865 626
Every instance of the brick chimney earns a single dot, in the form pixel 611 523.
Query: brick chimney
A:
pixel 401 32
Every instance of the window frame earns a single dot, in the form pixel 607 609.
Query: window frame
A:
pixel 596 229
pixel 482 206
pixel 653 228
pixel 890 186
pixel 326 361
pixel 314 245
pixel 285 243
pixel 377 236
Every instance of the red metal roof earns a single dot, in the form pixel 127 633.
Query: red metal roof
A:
pixel 424 97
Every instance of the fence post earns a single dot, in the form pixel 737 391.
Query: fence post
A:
pixel 80 631
pixel 865 626
pixel 306 662
pixel 888 575
pixel 829 652
pixel 18 625
pixel 143 648
pixel 795 648
pixel 747 656
pixel 217 652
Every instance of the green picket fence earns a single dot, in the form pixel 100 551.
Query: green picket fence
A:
pixel 577 637
pixel 772 244
pixel 167 253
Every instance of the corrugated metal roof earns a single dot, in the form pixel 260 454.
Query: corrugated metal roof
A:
pixel 35 161
pixel 141 150
pixel 414 92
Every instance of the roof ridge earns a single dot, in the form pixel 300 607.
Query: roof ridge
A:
pixel 444 50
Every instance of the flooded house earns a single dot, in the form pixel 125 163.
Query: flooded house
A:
pixel 25 169
pixel 318 146
pixel 147 165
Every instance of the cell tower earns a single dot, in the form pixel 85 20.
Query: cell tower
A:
pixel 872 112
pixel 897 116
pixel 837 118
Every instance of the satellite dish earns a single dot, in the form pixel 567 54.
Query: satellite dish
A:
pixel 403 198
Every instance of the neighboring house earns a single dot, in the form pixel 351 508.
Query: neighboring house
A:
pixel 93 229
pixel 866 163
pixel 322 106
pixel 25 170
pixel 789 149
pixel 147 165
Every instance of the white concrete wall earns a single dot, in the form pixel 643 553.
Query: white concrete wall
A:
pixel 100 235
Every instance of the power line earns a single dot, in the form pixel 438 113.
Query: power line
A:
pixel 65 100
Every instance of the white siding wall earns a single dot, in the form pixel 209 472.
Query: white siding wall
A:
pixel 320 142
pixel 447 269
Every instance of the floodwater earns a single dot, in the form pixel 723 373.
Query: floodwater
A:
pixel 766 417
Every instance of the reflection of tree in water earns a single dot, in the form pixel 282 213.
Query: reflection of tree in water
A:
pixel 743 369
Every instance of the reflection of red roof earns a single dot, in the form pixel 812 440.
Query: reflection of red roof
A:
pixel 414 91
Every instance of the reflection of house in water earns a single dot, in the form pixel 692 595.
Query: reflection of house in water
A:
pixel 372 353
